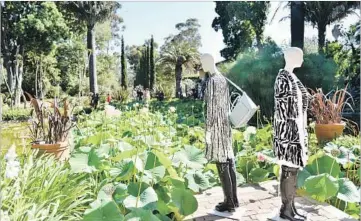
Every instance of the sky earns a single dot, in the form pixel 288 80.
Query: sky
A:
pixel 143 19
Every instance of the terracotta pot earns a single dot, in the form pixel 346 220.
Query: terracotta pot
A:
pixel 328 132
pixel 60 150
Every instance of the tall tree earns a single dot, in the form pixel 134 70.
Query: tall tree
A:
pixel 91 13
pixel 320 14
pixel 146 67
pixel 124 78
pixel 297 24
pixel 297 21
pixel 27 28
pixel 152 65
pixel 241 23
pixel 181 50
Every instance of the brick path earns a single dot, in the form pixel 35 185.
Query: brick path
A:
pixel 260 200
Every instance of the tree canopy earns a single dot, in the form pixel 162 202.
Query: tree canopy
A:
pixel 242 24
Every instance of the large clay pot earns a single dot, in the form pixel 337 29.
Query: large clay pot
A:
pixel 60 150
pixel 328 132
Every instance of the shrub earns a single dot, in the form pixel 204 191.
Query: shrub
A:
pixel 255 72
pixel 42 189
pixel 18 114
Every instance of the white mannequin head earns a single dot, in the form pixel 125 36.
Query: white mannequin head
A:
pixel 208 64
pixel 293 58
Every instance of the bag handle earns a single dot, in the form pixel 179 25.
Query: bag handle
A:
pixel 238 88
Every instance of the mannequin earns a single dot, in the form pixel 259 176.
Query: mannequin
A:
pixel 290 142
pixel 218 133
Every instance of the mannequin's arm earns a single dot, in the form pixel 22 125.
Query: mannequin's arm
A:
pixel 282 93
pixel 208 98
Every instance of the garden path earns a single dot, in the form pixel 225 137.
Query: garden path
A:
pixel 261 200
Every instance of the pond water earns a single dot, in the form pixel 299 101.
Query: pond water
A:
pixel 13 133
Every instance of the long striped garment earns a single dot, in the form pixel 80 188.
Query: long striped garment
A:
pixel 218 127
pixel 290 138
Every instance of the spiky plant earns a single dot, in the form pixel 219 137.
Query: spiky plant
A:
pixel 328 110
pixel 48 123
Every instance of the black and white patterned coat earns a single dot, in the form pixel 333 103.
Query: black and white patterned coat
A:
pixel 218 126
pixel 290 141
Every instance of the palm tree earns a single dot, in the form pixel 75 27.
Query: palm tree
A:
pixel 319 14
pixel 297 24
pixel 92 12
pixel 180 55
pixel 323 13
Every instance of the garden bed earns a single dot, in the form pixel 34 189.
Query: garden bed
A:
pixel 148 162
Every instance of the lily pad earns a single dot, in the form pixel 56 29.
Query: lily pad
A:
pixel 140 195
pixel 103 211
pixel 197 181
pixel 123 171
pixel 258 175
pixel 184 201
pixel 301 177
pixel 325 164
pixel 120 193
pixel 141 215
pixel 79 163
pixel 322 187
pixel 191 157
pixel 348 191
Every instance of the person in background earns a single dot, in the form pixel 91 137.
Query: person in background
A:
pixel 96 100
pixel 140 94
pixel 147 95
pixel 109 98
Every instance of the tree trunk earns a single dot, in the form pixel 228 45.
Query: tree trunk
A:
pixel 92 59
pixel 36 79
pixel 259 41
pixel 41 92
pixel 10 82
pixel 1 95
pixel 19 81
pixel 178 78
pixel 321 37
pixel 297 24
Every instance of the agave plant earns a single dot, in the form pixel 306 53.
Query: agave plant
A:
pixel 328 110
pixel 48 124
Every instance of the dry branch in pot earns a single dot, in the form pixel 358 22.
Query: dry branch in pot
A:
pixel 328 113
pixel 329 110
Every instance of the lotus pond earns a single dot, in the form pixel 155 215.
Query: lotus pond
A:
pixel 147 164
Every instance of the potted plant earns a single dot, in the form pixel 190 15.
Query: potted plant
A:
pixel 50 128
pixel 327 112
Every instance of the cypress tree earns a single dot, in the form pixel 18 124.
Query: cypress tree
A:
pixel 124 80
pixel 152 66
pixel 146 66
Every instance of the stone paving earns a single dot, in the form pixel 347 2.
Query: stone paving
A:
pixel 260 201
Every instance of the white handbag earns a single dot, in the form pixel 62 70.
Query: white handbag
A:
pixel 242 108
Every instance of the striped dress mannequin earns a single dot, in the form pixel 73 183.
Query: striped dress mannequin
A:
pixel 218 128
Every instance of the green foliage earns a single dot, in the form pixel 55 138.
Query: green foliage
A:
pixel 62 196
pixel 150 160
pixel 29 28
pixel 124 77
pixel 17 114
pixel 321 14
pixel 241 23
pixel 256 70
pixel 90 13
pixel 152 76
pixel 180 51
pixel 140 58
pixel 107 67
pixel 139 161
